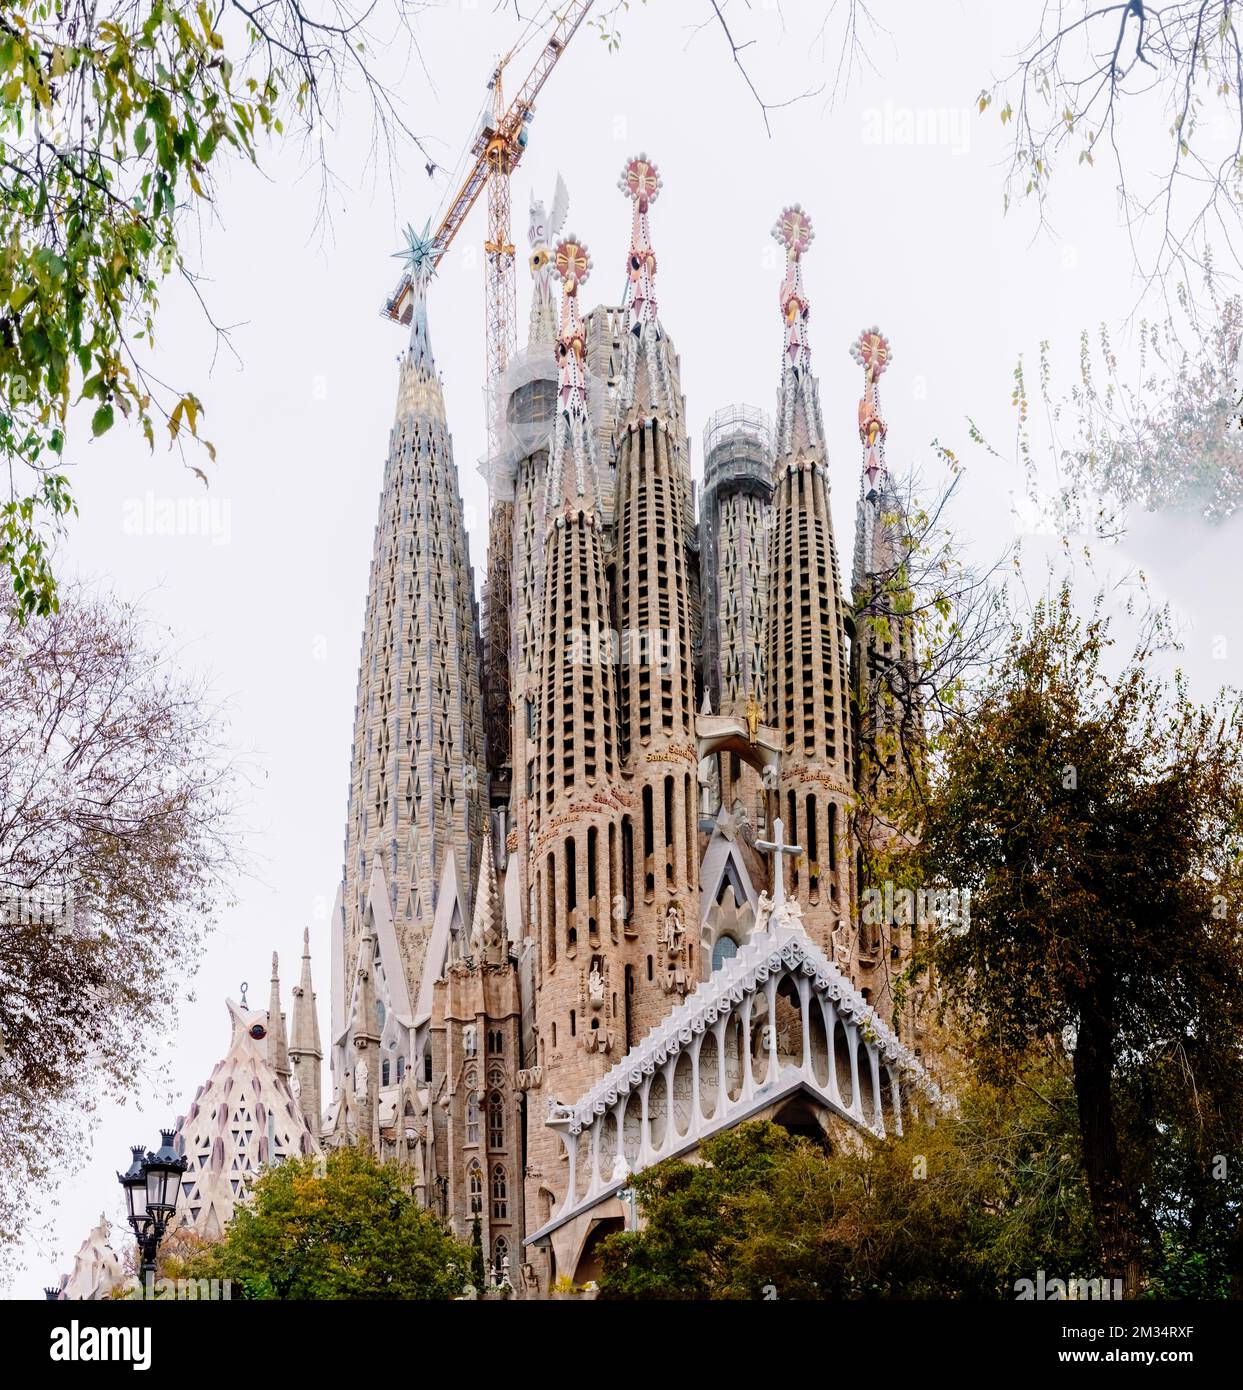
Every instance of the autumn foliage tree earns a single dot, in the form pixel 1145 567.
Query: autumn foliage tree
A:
pixel 116 801
pixel 116 118
pixel 1096 816
pixel 962 1208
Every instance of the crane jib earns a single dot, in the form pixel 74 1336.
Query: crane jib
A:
pixel 507 130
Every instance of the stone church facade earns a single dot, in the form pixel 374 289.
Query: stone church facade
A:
pixel 601 880
pixel 564 811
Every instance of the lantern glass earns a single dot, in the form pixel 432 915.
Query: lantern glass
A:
pixel 164 1169
pixel 134 1183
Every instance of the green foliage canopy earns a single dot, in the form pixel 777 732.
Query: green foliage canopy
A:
pixel 341 1227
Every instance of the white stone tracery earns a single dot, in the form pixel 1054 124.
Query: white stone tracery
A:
pixel 720 1058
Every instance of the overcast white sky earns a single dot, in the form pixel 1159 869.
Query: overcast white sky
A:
pixel 909 236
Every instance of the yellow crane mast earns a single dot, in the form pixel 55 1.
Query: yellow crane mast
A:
pixel 496 150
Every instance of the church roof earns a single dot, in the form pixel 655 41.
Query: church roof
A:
pixel 97 1268
pixel 778 943
pixel 242 1119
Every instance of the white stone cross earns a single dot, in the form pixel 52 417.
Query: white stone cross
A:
pixel 778 849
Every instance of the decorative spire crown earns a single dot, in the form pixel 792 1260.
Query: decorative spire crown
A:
pixel 573 434
pixel 647 383
pixel 872 352
pixel 420 255
pixel 640 181
pixel 799 416
pixel 572 266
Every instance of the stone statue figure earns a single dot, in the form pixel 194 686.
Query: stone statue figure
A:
pixel 673 931
pixel 595 987
pixel 752 713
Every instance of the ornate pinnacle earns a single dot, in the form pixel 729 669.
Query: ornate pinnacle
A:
pixel 798 424
pixel 572 266
pixel 420 255
pixel 572 263
pixel 640 181
pixel 794 231
pixel 872 352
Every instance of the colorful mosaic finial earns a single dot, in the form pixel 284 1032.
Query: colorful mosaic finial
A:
pixel 572 266
pixel 793 230
pixel 872 352
pixel 640 181
pixel 571 262
pixel 798 423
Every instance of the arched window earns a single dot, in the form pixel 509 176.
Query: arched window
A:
pixel 496 1121
pixel 725 949
pixel 472 1118
pixel 500 1194
pixel 476 1190
pixel 500 1257
pixel 496 1041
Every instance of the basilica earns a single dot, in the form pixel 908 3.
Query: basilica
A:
pixel 602 858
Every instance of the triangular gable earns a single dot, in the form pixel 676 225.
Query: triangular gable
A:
pixel 449 916
pixel 386 942
pixel 378 915
pixel 512 897
pixel 723 862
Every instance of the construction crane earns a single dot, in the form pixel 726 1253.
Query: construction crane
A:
pixel 497 148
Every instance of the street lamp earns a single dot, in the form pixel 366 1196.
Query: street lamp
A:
pixel 151 1185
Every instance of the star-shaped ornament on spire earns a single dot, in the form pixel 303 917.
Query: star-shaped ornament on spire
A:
pixel 420 252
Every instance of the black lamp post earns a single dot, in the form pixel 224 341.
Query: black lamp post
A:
pixel 152 1184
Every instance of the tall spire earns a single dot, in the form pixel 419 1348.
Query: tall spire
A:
pixel 807 685
pixel 278 1048
pixel 646 382
pixel 872 352
pixel 418 778
pixel 541 230
pixel 485 935
pixel 578 487
pixel 304 1051
pixel 419 254
pixel 799 425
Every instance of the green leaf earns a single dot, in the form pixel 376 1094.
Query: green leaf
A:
pixel 101 421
